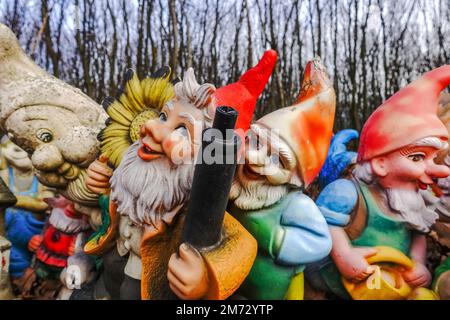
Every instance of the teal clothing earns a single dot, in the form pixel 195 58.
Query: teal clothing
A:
pixel 103 203
pixel 290 234
pixel 381 230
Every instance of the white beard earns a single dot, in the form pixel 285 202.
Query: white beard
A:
pixel 412 208
pixel 251 194
pixel 145 191
pixel 63 223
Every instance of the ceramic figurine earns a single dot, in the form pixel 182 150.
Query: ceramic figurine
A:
pixel 7 199
pixel 438 199
pixel 63 237
pixel 289 149
pixel 56 124
pixel 378 215
pixel 150 189
pixel 27 217
pixel 441 192
pixel 136 102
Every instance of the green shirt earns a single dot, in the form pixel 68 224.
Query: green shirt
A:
pixel 263 224
pixel 381 230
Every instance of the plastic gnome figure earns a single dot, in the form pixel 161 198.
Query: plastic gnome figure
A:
pixel 26 218
pixel 439 200
pixel 267 196
pixel 62 238
pixel 150 189
pixel 379 215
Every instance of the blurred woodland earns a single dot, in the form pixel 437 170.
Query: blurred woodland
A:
pixel 371 48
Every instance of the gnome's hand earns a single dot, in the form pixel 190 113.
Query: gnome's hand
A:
pixel 35 242
pixel 353 264
pixel 418 276
pixel 187 274
pixel 98 176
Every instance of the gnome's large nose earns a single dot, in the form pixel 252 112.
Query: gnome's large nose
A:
pixel 439 171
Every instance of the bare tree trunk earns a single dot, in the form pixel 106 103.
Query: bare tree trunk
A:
pixel 175 46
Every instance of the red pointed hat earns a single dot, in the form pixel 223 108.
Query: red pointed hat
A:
pixel 243 94
pixel 407 116
pixel 307 126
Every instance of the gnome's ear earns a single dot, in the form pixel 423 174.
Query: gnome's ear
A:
pixel 378 165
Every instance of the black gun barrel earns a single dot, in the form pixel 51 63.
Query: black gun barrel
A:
pixel 213 176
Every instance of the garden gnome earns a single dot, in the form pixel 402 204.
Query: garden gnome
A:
pixel 55 123
pixel 150 189
pixel 438 198
pixel 290 148
pixel 378 215
pixel 63 237
pixel 7 199
pixel 27 217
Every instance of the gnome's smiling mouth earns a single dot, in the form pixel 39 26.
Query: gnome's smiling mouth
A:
pixel 423 186
pixel 146 153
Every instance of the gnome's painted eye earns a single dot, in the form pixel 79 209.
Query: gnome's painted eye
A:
pixel 44 135
pixel 275 159
pixel 416 157
pixel 163 117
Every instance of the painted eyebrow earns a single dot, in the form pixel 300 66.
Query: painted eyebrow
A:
pixel 187 116
pixel 286 155
pixel 410 150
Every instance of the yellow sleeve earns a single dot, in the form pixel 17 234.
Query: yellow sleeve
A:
pixel 229 263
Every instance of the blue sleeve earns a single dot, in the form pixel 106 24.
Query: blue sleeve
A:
pixel 306 235
pixel 337 201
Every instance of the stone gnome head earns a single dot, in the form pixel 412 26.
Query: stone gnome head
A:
pixel 55 123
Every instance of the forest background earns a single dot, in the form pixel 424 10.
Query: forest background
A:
pixel 371 48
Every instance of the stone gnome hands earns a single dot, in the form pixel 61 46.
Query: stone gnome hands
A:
pixel 98 176
pixel 187 273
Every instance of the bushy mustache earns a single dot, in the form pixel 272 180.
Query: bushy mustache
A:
pixel 411 207
pixel 145 191
pixel 251 194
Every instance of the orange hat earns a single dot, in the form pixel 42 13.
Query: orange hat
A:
pixel 307 126
pixel 242 95
pixel 407 116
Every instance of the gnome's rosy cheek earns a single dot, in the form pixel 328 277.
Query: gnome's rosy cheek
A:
pixel 408 170
pixel 179 148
